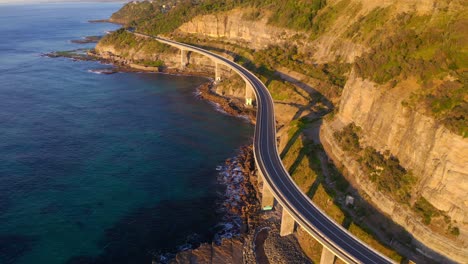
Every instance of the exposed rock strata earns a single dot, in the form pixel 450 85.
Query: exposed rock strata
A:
pixel 233 27
pixel 436 156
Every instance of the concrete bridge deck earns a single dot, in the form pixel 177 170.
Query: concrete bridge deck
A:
pixel 278 184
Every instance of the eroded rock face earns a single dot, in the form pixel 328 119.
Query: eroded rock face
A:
pixel 437 157
pixel 233 27
pixel 171 59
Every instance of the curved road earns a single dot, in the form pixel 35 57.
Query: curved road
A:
pixel 330 234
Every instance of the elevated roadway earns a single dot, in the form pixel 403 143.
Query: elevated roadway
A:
pixel 330 234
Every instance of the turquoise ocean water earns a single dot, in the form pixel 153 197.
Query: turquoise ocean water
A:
pixel 100 168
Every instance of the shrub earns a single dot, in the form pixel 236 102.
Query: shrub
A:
pixel 455 231
pixel 389 175
pixel 426 210
pixel 348 138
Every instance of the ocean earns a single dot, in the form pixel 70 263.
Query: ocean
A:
pixel 98 168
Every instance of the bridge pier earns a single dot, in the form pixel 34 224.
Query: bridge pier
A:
pixel 183 59
pixel 248 94
pixel 327 257
pixel 267 197
pixel 287 223
pixel 217 73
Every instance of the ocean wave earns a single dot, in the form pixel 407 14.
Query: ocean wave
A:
pixel 103 71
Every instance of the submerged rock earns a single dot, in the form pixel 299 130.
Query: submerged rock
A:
pixel 88 39
pixel 76 55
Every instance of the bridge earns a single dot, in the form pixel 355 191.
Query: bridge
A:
pixel 277 183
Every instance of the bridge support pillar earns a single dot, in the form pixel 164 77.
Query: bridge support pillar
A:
pixel 287 223
pixel 327 257
pixel 248 94
pixel 183 58
pixel 217 73
pixel 267 197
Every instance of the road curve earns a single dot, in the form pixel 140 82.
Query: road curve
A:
pixel 330 234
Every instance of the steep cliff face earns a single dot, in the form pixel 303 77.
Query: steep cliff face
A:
pixel 233 27
pixel 431 151
pixel 246 27
pixel 437 157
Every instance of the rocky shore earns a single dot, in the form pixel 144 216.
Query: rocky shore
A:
pixel 87 39
pixel 227 105
pixel 250 235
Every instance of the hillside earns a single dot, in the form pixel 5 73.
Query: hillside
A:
pixel 392 78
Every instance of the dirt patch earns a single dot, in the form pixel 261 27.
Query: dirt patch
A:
pixel 259 242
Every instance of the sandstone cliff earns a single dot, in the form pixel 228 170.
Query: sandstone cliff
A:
pixel 233 27
pixel 436 156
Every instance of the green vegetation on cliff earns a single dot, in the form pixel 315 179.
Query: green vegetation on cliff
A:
pixel 391 178
pixel 152 17
pixel 348 138
pixel 133 13
pixel 123 40
pixel 426 210
pixel 431 48
pixel 383 169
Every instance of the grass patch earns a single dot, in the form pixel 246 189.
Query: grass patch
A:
pixel 325 202
pixel 327 16
pixel 303 163
pixel 426 210
pixel 367 237
pixel 284 91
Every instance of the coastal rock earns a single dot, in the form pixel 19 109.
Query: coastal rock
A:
pixel 240 203
pixel 231 107
pixel 228 252
pixel 88 39
pixel 435 155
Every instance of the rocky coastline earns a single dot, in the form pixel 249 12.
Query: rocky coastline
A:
pixel 250 235
pixel 227 105
pixel 87 39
